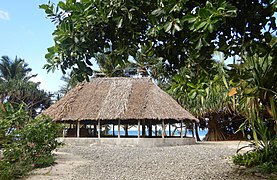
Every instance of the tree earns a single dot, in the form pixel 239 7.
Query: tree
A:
pixel 14 69
pixel 16 87
pixel 109 67
pixel 176 31
pixel 70 82
pixel 204 94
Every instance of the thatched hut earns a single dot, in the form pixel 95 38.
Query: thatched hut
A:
pixel 118 101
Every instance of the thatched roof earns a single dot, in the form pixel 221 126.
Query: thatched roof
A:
pixel 117 98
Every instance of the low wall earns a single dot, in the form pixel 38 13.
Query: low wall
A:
pixel 141 142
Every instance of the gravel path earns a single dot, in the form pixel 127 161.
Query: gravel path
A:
pixel 200 161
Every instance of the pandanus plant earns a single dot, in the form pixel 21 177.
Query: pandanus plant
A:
pixel 255 82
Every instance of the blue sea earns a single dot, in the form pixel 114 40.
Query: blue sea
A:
pixel 202 133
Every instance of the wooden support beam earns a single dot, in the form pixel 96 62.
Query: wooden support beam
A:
pixel 181 132
pixel 139 128
pixel 99 129
pixel 78 129
pixel 143 128
pixel 163 129
pixel 118 129
pixel 169 129
pixel 126 129
pixel 95 130
pixel 192 129
pixel 156 130
pixel 113 130
pixel 186 131
pixel 63 132
pixel 150 128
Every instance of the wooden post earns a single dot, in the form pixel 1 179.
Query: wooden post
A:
pixel 94 130
pixel 169 129
pixel 150 128
pixel 78 129
pixel 126 129
pixel 143 128
pixel 113 130
pixel 63 132
pixel 186 130
pixel 139 128
pixel 99 129
pixel 156 130
pixel 163 130
pixel 192 130
pixel 181 129
pixel 118 130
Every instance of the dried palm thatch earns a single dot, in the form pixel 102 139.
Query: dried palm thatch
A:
pixel 117 98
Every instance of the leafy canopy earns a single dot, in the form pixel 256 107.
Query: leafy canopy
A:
pixel 176 31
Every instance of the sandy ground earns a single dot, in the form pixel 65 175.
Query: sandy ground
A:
pixel 205 160
pixel 66 164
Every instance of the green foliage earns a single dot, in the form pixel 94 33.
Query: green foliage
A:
pixel 14 69
pixel 200 91
pixel 26 143
pixel 16 87
pixel 176 31
pixel 265 161
pixel 255 81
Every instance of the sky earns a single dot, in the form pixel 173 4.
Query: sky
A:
pixel 25 32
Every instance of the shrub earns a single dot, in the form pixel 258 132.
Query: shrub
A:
pixel 264 159
pixel 27 143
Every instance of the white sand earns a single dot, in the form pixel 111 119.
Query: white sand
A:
pixel 208 160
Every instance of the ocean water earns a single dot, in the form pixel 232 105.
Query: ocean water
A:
pixel 202 133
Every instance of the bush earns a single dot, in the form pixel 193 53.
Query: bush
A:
pixel 264 159
pixel 27 143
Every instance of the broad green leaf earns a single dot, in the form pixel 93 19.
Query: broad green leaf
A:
pixel 199 44
pixel 119 24
pixel 168 26
pixel 203 13
pixel 210 28
pixel 191 85
pixel 62 5
pixel 198 25
pixel 130 16
pixel 189 18
pixel 157 12
pixel 177 27
pixel 43 6
pixel 193 94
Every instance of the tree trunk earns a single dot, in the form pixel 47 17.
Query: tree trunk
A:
pixel 2 103
pixel 214 131
pixel 196 131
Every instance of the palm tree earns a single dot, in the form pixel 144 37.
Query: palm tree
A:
pixel 109 67
pixel 16 87
pixel 70 80
pixel 11 70
pixel 14 69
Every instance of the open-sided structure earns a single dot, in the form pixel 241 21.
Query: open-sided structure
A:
pixel 118 101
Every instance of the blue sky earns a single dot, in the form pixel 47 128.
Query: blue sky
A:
pixel 26 33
